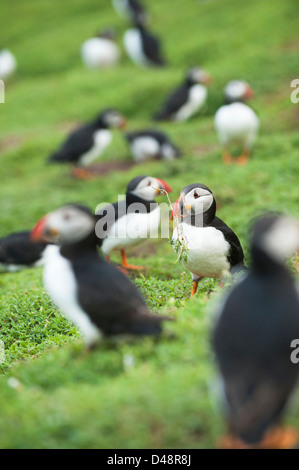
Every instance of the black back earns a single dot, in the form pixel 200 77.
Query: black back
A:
pixel 78 143
pixel 173 103
pixel 151 46
pixel 17 248
pixel 157 135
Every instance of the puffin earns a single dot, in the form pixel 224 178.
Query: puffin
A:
pixel 129 222
pixel 8 64
pixel 131 9
pixel 143 48
pixel 88 142
pixel 151 144
pixel 100 51
pixel 187 99
pixel 98 298
pixel 237 123
pixel 18 252
pixel 255 324
pixel 206 245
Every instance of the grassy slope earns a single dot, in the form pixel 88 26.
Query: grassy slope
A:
pixel 164 399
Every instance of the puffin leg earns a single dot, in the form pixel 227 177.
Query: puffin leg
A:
pixel 120 268
pixel 81 173
pixel 129 266
pixel 244 157
pixel 194 287
pixel 279 438
pixel 226 157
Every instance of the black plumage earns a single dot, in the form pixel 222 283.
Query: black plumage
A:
pixel 165 148
pixel 173 103
pixel 252 336
pixel 18 251
pixel 151 46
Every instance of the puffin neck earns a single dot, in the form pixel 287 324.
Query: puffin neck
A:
pixel 88 244
pixel 133 199
pixel 99 124
pixel 262 263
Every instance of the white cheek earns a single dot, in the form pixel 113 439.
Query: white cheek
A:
pixel 282 241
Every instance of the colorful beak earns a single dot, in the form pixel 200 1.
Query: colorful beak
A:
pixel 37 234
pixel 165 186
pixel 176 209
pixel 123 124
pixel 249 93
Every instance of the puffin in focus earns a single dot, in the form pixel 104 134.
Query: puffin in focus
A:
pixel 143 48
pixel 8 64
pixel 187 99
pixel 207 246
pixel 151 144
pixel 257 321
pixel 88 142
pixel 90 292
pixel 236 123
pixel 129 222
pixel 100 51
pixel 130 9
pixel 18 252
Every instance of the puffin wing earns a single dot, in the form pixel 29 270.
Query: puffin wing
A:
pixel 152 48
pixel 17 248
pixel 173 103
pixel 78 143
pixel 236 254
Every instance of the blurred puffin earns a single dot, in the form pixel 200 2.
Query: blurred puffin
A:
pixel 88 142
pixel 187 99
pixel 129 222
pixel 235 122
pixel 8 64
pixel 131 9
pixel 18 251
pixel 142 46
pixel 100 51
pixel 90 292
pixel 151 144
pixel 256 324
pixel 210 247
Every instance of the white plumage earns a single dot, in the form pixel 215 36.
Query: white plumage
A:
pixel 134 47
pixel 196 99
pixel 102 138
pixel 99 52
pixel 8 64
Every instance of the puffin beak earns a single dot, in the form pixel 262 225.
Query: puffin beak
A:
pixel 163 186
pixel 208 80
pixel 123 124
pixel 176 208
pixel 249 93
pixel 41 232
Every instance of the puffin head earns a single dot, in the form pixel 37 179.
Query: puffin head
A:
pixel 195 200
pixel 111 118
pixel 199 75
pixel 65 226
pixel 238 90
pixel 147 187
pixel 277 235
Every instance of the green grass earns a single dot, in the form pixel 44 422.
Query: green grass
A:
pixel 149 394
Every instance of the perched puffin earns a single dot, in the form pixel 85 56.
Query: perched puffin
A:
pixel 100 51
pixel 142 46
pixel 235 122
pixel 187 99
pixel 18 251
pixel 8 64
pixel 88 142
pixel 129 222
pixel 151 144
pixel 90 292
pixel 256 324
pixel 208 247
pixel 131 9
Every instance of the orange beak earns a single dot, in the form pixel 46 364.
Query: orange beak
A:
pixel 176 209
pixel 249 93
pixel 37 234
pixel 123 124
pixel 165 186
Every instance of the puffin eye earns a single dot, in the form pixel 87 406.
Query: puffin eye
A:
pixel 149 183
pixel 66 216
pixel 195 195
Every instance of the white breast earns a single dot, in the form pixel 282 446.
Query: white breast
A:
pixel 132 229
pixel 60 283
pixel 144 147
pixel 134 47
pixel 236 122
pixel 102 139
pixel 206 250
pixel 196 99
pixel 8 64
pixel 99 52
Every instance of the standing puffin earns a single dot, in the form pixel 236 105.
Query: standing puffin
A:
pixel 209 247
pixel 18 251
pixel 252 338
pixel 129 222
pixel 151 144
pixel 131 9
pixel 143 47
pixel 187 99
pixel 8 64
pixel 88 142
pixel 100 51
pixel 235 122
pixel 90 292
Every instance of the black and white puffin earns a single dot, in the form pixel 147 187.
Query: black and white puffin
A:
pixel 18 252
pixel 8 64
pixel 100 50
pixel 143 47
pixel 93 294
pixel 131 9
pixel 151 144
pixel 235 122
pixel 130 221
pixel 187 99
pixel 88 142
pixel 209 248
pixel 256 323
